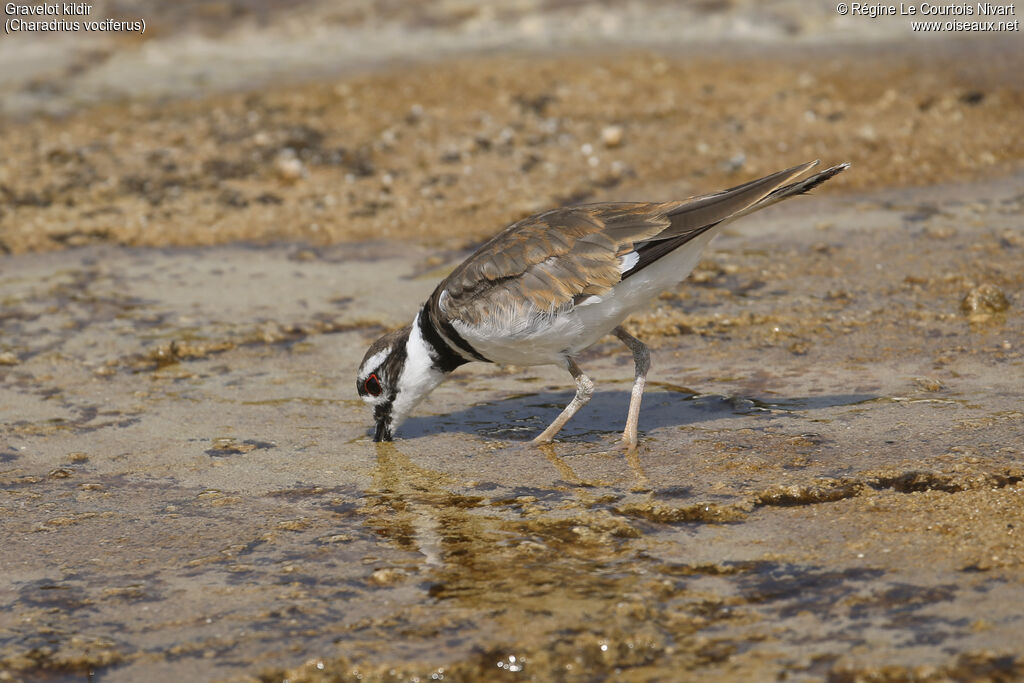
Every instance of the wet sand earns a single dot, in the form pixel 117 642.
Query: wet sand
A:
pixel 828 483
pixel 829 480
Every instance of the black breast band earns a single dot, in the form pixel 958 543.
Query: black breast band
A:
pixel 446 357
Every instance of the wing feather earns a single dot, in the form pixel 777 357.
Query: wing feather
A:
pixel 558 257
pixel 693 214
pixel 550 259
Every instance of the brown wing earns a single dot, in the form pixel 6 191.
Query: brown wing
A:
pixel 550 259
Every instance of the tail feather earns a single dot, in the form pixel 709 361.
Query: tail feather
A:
pixel 695 217
pixel 696 213
pixel 799 187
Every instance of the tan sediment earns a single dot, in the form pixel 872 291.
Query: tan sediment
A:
pixel 829 479
pixel 449 152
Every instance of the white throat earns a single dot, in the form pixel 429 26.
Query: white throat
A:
pixel 419 376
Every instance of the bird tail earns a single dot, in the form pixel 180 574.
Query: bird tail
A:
pixel 697 216
pixel 793 189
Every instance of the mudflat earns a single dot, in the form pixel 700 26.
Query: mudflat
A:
pixel 828 485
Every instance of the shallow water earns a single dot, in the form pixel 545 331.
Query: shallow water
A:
pixel 829 480
pixel 827 486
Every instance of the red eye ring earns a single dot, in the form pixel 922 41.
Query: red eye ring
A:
pixel 372 385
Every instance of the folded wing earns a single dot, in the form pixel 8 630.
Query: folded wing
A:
pixel 554 259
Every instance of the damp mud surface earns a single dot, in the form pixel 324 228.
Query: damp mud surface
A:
pixel 830 472
pixel 828 483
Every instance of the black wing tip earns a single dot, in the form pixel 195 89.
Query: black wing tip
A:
pixel 830 173
pixel 808 184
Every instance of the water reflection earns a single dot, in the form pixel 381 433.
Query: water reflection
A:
pixel 538 581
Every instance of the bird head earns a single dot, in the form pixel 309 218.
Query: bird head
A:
pixel 397 372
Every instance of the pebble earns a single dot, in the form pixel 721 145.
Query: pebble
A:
pixel 611 136
pixel 8 358
pixel 734 163
pixel 936 232
pixel 387 576
pixel 289 168
pixel 983 300
pixel 928 384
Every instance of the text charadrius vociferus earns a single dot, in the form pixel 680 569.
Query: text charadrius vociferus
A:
pixel 548 287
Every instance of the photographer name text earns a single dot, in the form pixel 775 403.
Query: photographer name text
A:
pixel 934 17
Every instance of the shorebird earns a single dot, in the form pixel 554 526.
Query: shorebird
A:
pixel 551 285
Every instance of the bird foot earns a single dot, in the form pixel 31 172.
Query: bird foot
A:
pixel 629 442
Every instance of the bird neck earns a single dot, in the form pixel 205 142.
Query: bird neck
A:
pixel 447 353
pixel 421 373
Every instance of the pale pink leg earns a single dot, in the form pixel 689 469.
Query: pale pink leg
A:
pixel 642 360
pixel 584 390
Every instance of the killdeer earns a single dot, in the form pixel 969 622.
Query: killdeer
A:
pixel 548 287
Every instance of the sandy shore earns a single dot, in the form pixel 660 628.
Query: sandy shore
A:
pixel 448 153
pixel 829 480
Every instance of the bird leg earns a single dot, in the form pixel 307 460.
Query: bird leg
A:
pixel 584 390
pixel 642 360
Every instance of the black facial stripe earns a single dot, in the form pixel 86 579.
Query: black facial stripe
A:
pixel 444 355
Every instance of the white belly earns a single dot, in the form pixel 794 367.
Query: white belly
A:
pixel 542 343
pixel 553 338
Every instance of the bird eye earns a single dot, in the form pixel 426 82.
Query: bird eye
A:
pixel 372 385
